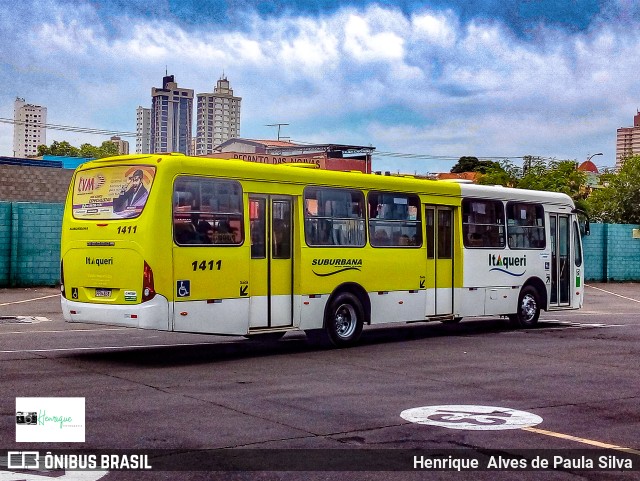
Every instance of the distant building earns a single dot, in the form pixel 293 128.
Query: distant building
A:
pixel 462 177
pixel 143 130
pixel 217 118
pixel 171 118
pixel 592 175
pixel 29 129
pixel 123 145
pixel 325 156
pixel 628 141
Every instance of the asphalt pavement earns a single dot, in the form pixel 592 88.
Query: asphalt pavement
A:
pixel 287 410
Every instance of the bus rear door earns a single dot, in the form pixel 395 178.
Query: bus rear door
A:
pixel 271 267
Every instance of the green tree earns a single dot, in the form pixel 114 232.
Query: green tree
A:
pixel 556 176
pixel 64 148
pixel 618 201
pixel 107 149
pixel 472 164
pixel 504 173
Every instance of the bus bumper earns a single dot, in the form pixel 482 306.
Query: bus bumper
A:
pixel 153 314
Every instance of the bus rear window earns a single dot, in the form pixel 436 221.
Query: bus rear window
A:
pixel 113 192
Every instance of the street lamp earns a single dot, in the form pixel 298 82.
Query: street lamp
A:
pixel 593 155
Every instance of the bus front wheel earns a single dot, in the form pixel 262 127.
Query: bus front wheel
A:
pixel 343 321
pixel 528 308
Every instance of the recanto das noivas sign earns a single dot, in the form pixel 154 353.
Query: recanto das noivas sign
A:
pixel 315 159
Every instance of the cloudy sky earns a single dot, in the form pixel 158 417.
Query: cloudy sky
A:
pixel 438 79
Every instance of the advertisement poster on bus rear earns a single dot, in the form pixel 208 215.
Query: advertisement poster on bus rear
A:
pixel 113 192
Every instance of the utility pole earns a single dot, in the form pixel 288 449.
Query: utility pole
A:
pixel 277 125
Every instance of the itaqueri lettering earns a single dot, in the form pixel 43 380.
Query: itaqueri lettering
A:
pixel 507 263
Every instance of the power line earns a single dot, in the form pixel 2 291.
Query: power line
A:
pixel 70 128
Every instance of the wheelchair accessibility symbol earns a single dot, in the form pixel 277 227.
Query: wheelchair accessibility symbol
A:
pixel 183 288
pixel 475 418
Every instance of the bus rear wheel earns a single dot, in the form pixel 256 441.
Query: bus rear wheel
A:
pixel 343 322
pixel 528 308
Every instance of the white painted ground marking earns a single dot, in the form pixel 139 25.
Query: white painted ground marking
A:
pixel 68 330
pixel 69 476
pixel 613 293
pixel 29 300
pixel 570 324
pixel 469 417
pixel 115 348
pixel 23 319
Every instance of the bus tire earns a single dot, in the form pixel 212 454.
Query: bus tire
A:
pixel 344 320
pixel 528 308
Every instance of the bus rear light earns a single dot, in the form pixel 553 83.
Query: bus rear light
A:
pixel 62 279
pixel 148 288
pixel 73 312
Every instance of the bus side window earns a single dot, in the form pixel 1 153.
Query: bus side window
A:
pixel 525 225
pixel 334 217
pixel 483 223
pixel 394 220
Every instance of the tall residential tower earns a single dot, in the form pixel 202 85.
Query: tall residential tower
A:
pixel 29 129
pixel 171 117
pixel 218 117
pixel 143 130
pixel 628 141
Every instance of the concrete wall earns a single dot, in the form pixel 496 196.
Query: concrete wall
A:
pixel 30 249
pixel 33 184
pixel 611 253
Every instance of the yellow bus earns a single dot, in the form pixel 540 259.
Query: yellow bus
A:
pixel 219 246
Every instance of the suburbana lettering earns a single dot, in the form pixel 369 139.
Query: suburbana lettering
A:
pixel 336 262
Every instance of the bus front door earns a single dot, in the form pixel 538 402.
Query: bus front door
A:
pixel 439 275
pixel 271 278
pixel 561 264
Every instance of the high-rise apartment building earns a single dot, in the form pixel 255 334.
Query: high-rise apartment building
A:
pixel 122 145
pixel 29 129
pixel 628 141
pixel 143 130
pixel 218 117
pixel 171 117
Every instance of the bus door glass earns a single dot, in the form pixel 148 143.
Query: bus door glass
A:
pixel 561 259
pixel 439 275
pixel 271 261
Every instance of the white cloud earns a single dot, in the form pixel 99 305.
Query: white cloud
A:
pixel 435 28
pixel 424 82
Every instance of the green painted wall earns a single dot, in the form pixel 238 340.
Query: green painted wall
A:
pixel 611 253
pixel 30 252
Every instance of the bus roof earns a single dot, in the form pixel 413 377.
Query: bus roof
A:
pixel 288 173
pixel 508 193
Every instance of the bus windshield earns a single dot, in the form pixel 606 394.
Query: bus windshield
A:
pixel 112 192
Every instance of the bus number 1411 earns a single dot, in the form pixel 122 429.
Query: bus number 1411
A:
pixel 204 265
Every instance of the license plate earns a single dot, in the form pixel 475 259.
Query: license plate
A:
pixel 103 292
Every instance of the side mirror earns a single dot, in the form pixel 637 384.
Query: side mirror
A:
pixel 583 221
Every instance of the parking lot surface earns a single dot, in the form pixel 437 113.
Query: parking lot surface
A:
pixel 337 412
